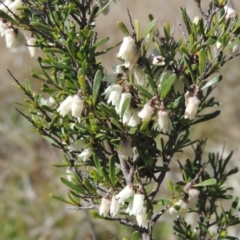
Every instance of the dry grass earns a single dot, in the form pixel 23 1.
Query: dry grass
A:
pixel 27 178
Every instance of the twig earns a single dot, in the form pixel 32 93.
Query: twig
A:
pixel 91 226
pixel 158 215
pixel 82 208
pixel 183 33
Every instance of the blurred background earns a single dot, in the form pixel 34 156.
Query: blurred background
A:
pixel 26 174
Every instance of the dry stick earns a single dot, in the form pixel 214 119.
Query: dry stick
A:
pixel 91 226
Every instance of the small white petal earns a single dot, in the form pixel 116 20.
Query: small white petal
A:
pixel 70 173
pixel 65 106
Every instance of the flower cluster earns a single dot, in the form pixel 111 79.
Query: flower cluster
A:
pixel 73 104
pixel 181 206
pixel 136 207
pixel 15 37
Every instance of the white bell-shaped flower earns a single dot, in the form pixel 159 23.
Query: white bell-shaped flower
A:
pixel 10 37
pixel 193 197
pixel 126 193
pixel 230 12
pixel 178 86
pixel 115 94
pixel 77 106
pixel 147 111
pixel 142 218
pixel 129 52
pixel 129 209
pixel 192 104
pixel 138 202
pixel 134 119
pixel 85 154
pixel 115 206
pixel 164 122
pixel 65 106
pixel 105 206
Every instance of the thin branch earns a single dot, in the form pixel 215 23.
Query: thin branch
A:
pixel 182 30
pixel 82 208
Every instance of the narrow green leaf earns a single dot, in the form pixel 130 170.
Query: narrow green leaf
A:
pixel 207 117
pixel 123 28
pixel 96 85
pixel 71 48
pixel 202 61
pixel 89 186
pixel 151 82
pixel 136 235
pixel 100 42
pixel 136 28
pixel 7 17
pixel 166 28
pixel 215 80
pixel 145 124
pixel 208 182
pixel 171 186
pixel 97 162
pixel 72 186
pixel 112 169
pixel 234 205
pixel 166 84
pixel 39 25
pixel 164 201
pixel 125 105
pixel 150 27
pixel 61 199
pixel 189 66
